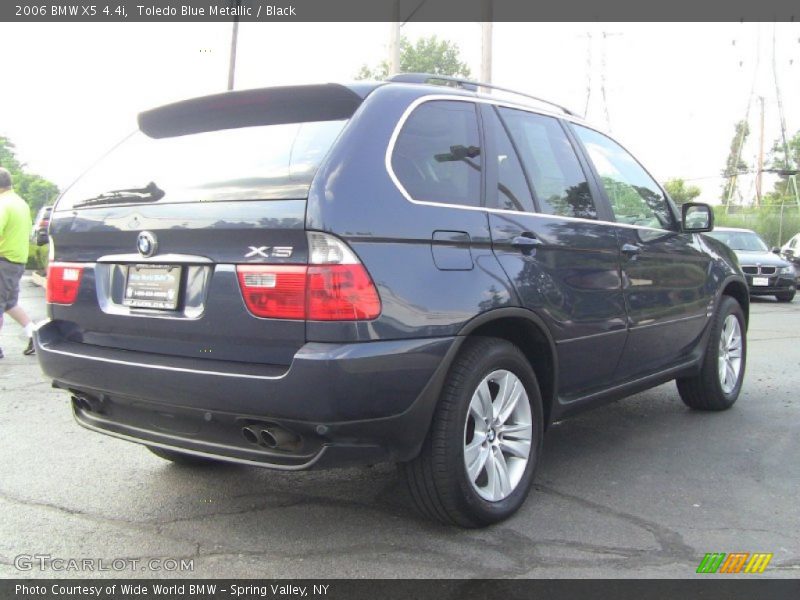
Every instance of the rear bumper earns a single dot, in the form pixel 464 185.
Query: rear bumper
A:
pixel 345 403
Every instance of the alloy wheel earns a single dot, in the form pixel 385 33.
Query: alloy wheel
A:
pixel 730 354
pixel 497 435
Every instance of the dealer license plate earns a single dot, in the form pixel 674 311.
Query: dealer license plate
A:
pixel 152 286
pixel 760 280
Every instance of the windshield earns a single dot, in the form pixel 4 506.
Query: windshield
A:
pixel 273 162
pixel 745 241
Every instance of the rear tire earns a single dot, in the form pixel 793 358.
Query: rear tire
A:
pixel 719 382
pixel 786 296
pixel 181 458
pixel 490 415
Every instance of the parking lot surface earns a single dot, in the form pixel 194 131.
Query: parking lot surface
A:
pixel 640 488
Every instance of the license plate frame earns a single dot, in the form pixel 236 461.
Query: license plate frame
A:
pixel 760 281
pixel 152 286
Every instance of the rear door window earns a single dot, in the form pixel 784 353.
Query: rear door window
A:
pixel 559 183
pixel 512 191
pixel 437 156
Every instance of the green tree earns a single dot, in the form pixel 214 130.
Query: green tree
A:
pixel 786 168
pixel 680 192
pixel 734 165
pixel 36 190
pixel 427 55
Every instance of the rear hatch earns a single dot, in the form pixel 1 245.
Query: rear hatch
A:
pixel 154 232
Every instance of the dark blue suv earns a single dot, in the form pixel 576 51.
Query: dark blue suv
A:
pixel 324 275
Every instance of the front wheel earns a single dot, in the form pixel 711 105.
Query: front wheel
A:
pixel 719 382
pixel 478 461
pixel 786 296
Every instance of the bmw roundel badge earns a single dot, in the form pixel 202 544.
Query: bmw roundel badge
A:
pixel 146 244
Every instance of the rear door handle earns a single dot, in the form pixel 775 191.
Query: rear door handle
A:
pixel 630 250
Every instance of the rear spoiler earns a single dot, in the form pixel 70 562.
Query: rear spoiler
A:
pixel 267 106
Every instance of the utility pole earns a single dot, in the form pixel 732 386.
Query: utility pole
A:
pixel 588 36
pixel 394 40
pixel 486 41
pixel 234 41
pixel 760 170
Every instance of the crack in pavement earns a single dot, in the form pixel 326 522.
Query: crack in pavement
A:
pixel 670 542
pixel 523 555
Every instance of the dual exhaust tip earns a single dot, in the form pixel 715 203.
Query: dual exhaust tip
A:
pixel 264 435
pixel 271 436
pixel 83 404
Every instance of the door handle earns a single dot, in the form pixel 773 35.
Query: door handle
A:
pixel 526 241
pixel 630 250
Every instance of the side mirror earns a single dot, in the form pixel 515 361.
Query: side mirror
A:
pixel 697 217
pixel 776 250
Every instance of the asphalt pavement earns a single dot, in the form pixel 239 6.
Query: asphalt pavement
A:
pixel 641 488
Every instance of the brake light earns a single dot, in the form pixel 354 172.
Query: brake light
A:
pixel 335 286
pixel 341 293
pixel 63 282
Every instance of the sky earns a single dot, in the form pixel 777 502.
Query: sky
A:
pixel 670 92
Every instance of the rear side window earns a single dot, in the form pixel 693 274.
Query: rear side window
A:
pixel 270 162
pixel 558 180
pixel 437 156
pixel 635 197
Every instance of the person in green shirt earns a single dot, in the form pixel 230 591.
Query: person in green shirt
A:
pixel 15 225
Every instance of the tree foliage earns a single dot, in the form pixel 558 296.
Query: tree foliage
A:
pixel 785 166
pixel 680 192
pixel 36 190
pixel 734 165
pixel 427 55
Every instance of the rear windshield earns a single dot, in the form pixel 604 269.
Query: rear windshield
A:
pixel 272 162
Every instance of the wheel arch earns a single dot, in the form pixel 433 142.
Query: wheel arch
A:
pixel 737 289
pixel 527 331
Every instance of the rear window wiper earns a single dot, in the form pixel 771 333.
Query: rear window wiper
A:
pixel 150 193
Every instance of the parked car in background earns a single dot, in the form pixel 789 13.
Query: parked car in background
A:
pixel 791 252
pixel 39 235
pixel 323 275
pixel 768 274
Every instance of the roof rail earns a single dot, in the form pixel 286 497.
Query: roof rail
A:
pixel 467 84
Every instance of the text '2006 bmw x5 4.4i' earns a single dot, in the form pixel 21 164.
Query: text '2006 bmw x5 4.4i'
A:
pixel 324 275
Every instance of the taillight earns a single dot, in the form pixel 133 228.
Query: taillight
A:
pixel 341 293
pixel 274 291
pixel 335 286
pixel 63 282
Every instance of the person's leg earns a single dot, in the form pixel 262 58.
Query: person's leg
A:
pixel 5 292
pixel 10 284
pixel 20 316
